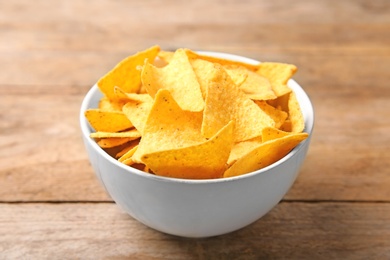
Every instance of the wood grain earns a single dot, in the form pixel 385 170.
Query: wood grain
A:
pixel 52 52
pixel 291 230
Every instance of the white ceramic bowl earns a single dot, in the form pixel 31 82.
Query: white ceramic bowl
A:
pixel 197 208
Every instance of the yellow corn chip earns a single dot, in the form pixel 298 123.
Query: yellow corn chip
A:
pixel 206 160
pixel 126 148
pixel 277 115
pixel 107 121
pixel 169 127
pixel 179 78
pixel 113 142
pixel 138 112
pixel 204 71
pixel 125 97
pixel 193 55
pixel 287 126
pixel 225 102
pixel 278 74
pixel 257 87
pixel 270 133
pixel 128 154
pixel 239 74
pixel 265 154
pixel 133 133
pixel 166 56
pixel 125 75
pixel 110 105
pixel 242 148
pixel 295 114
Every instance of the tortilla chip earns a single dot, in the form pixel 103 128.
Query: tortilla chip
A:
pixel 193 55
pixel 257 87
pixel 225 102
pixel 206 160
pixel 107 121
pixel 179 78
pixel 265 154
pixel 133 133
pixel 137 113
pixel 125 74
pixel 295 114
pixel 277 115
pixel 113 142
pixel 278 74
pixel 169 127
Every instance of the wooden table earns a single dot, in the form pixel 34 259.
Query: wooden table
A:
pixel 52 52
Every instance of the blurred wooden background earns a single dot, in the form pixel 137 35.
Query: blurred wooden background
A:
pixel 52 52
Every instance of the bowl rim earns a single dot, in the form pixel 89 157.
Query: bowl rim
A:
pixel 86 129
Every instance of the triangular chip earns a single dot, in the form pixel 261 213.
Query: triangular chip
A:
pixel 295 114
pixel 225 102
pixel 206 160
pixel 277 115
pixel 278 74
pixel 239 74
pixel 169 127
pixel 125 74
pixel 265 154
pixel 107 121
pixel 138 112
pixel 204 72
pixel 179 78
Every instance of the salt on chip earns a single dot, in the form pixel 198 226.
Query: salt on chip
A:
pixel 265 154
pixel 125 74
pixel 168 126
pixel 225 102
pixel 206 160
pixel 179 78
pixel 107 121
pixel 278 74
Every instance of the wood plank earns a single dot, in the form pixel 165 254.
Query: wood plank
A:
pixel 102 231
pixel 59 44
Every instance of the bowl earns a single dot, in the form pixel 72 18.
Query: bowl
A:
pixel 197 208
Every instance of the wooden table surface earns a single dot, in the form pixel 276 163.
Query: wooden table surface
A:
pixel 52 52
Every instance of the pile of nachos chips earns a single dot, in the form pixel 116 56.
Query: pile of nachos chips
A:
pixel 185 115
